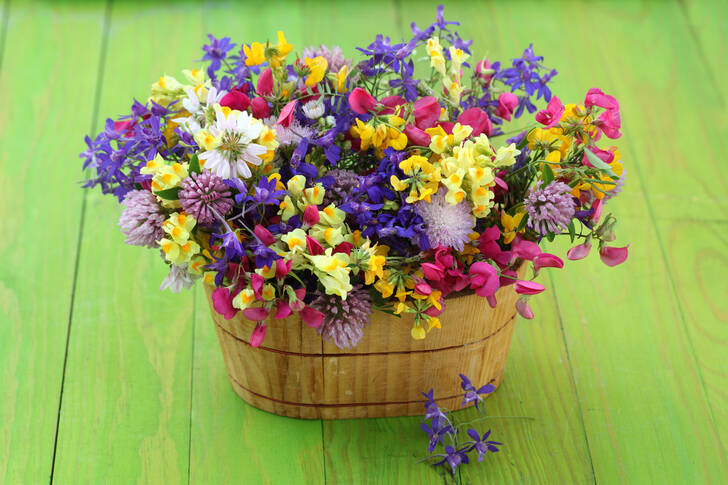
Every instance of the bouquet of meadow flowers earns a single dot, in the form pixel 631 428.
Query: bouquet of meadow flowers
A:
pixel 330 186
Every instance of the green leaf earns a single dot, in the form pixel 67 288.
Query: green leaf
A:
pixel 547 175
pixel 194 164
pixel 169 194
pixel 523 222
pixel 572 230
pixel 550 236
pixel 523 142
pixel 598 163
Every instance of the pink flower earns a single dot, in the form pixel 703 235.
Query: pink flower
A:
pixel 283 268
pixel 432 271
pixel 507 103
pixel 546 260
pixel 524 309
pixel 222 302
pixel 415 136
pixel 361 102
pixel 507 277
pixel 480 70
pixel 265 82
pixel 605 156
pixel 264 235
pixel 579 252
pixel 524 249
pixel 343 247
pixel 524 287
pixel 256 314
pixel 282 310
pixel 612 256
pixel 487 243
pixel 256 283
pixel 595 97
pixel 552 114
pixel 310 215
pixel 235 100
pixel 259 108
pixel 312 318
pixel 286 115
pixel 258 335
pixel 314 247
pixel 426 111
pixel 492 302
pixel 483 279
pixel 477 119
pixel 423 288
pixel 597 210
pixel 391 102
pixel 610 122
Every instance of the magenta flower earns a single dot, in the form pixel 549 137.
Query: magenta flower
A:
pixel 283 310
pixel 524 309
pixel 361 102
pixel 235 100
pixel 546 260
pixel 258 335
pixel 525 287
pixel 264 235
pixel 286 116
pixel 552 114
pixel 310 215
pixel 259 108
pixel 579 252
pixel 483 279
pixel 596 97
pixel 222 302
pixel 256 314
pixel 477 119
pixel 312 318
pixel 524 249
pixel 426 111
pixel 416 136
pixel 265 82
pixel 507 103
pixel 612 256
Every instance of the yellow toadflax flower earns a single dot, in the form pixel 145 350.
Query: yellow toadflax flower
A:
pixel 317 66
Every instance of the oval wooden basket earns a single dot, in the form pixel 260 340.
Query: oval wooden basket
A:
pixel 296 373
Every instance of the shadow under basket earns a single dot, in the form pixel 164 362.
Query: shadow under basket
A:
pixel 296 373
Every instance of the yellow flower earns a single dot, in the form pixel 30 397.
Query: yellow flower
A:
pixel 418 333
pixel 377 260
pixel 317 66
pixel 423 178
pixel 178 253
pixel 244 299
pixel 296 240
pixel 433 322
pixel 332 216
pixel 333 272
pixel 254 54
pixel 510 224
pixel 506 156
pixel 282 49
pixel 341 79
pixel 178 226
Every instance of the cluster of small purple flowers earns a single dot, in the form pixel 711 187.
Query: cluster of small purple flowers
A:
pixel 442 430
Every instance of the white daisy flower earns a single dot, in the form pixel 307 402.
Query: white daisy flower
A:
pixel 228 144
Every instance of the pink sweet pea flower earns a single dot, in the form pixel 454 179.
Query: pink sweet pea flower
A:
pixel 525 287
pixel 605 156
pixel 415 136
pixel 235 100
pixel 524 249
pixel 264 235
pixel 477 119
pixel 391 102
pixel 314 247
pixel 579 252
pixel 546 260
pixel 258 335
pixel 426 111
pixel 483 279
pixel 259 108
pixel 610 122
pixel 312 318
pixel 596 97
pixel 256 314
pixel 265 82
pixel 523 309
pixel 256 283
pixel 433 272
pixel 283 310
pixel 361 102
pixel 310 215
pixel 507 103
pixel 552 114
pixel 286 116
pixel 597 210
pixel 283 268
pixel 507 277
pixel 612 256
pixel 492 302
pixel 480 70
pixel 222 302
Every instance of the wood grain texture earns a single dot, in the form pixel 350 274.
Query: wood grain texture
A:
pixel 126 404
pixel 294 373
pixel 44 97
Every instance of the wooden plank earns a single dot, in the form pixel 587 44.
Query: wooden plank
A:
pixel 535 412
pixel 635 362
pixel 126 404
pixel 46 94
pixel 231 441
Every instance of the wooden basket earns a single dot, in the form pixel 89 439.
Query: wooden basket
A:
pixel 296 373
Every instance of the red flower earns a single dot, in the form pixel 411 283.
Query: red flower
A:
pixel 259 108
pixel 235 100
pixel 552 114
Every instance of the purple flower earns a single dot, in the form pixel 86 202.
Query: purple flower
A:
pixel 333 55
pixel 205 196
pixel 550 208
pixel 471 393
pixel 481 444
pixel 215 52
pixel 141 219
pixel 264 256
pixel 265 192
pixel 230 243
pixel 435 434
pixel 453 457
pixel 446 224
pixel 344 320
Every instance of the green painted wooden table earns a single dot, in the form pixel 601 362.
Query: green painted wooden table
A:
pixel 105 379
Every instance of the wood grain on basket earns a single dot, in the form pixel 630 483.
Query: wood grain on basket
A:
pixel 295 373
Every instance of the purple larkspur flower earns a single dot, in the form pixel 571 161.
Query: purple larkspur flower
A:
pixel 265 192
pixel 142 218
pixel 203 195
pixel 549 208
pixel 473 394
pixel 481 443
pixel 215 52
pixel 446 224
pixel 230 243
pixel 344 320
pixel 453 457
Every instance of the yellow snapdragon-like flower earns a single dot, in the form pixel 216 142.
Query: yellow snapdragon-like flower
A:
pixel 164 176
pixel 332 216
pixel 254 54
pixel 166 90
pixel 178 226
pixel 317 66
pixel 296 240
pixel 176 253
pixel 434 50
pixel 282 49
pixel 506 156
pixel 333 272
pixel 341 79
pixel 510 224
pixel 244 299
pixel 179 249
pixel 196 77
pixel 422 178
